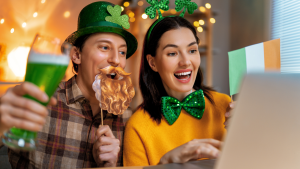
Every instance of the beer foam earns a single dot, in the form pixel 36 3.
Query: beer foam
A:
pixel 35 57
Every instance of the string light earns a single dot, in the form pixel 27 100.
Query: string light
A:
pixel 12 30
pixel 202 9
pixel 131 14
pixel 196 23
pixel 128 11
pixel 173 11
pixel 126 4
pixel 35 14
pixel 144 16
pixel 43 1
pixel 132 19
pixel 24 24
pixel 2 21
pixel 200 29
pixel 140 3
pixel 212 20
pixel 201 22
pixel 207 5
pixel 122 8
pixel 67 14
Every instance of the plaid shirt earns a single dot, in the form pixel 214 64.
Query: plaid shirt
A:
pixel 66 141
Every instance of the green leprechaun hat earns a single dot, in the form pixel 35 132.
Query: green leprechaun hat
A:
pixel 104 17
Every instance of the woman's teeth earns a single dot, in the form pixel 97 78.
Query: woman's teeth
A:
pixel 183 75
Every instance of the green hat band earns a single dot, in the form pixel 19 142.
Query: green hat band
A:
pixel 104 23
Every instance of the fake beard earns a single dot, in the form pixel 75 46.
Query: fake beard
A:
pixel 114 95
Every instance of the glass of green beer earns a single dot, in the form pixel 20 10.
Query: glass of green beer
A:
pixel 46 66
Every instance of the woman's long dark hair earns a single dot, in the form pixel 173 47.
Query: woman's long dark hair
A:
pixel 150 82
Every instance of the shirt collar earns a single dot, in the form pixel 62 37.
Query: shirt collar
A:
pixel 73 93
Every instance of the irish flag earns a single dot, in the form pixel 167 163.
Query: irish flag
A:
pixel 255 58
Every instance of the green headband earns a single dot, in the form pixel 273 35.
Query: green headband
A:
pixel 163 5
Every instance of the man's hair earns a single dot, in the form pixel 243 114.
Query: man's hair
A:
pixel 79 44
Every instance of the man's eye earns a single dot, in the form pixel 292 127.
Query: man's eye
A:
pixel 104 47
pixel 171 54
pixel 123 53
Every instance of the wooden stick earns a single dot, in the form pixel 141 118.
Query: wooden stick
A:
pixel 101 117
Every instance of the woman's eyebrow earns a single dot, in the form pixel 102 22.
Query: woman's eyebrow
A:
pixel 193 43
pixel 170 45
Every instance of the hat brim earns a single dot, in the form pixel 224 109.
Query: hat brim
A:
pixel 129 38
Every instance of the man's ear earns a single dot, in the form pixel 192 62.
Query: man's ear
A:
pixel 151 62
pixel 75 55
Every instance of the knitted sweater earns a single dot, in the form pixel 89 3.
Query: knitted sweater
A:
pixel 145 141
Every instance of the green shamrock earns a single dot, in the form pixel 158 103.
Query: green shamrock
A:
pixel 186 4
pixel 155 5
pixel 116 16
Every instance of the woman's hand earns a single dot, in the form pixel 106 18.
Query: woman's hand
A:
pixel 16 111
pixel 228 114
pixel 193 150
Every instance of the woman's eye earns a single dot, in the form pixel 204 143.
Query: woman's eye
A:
pixel 193 51
pixel 171 54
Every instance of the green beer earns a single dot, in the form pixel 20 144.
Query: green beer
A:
pixel 46 76
pixel 47 63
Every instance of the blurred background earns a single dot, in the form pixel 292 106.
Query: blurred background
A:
pixel 222 26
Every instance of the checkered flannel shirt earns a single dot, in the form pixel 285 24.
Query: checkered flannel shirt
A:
pixel 66 140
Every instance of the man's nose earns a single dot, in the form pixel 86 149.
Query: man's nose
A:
pixel 114 59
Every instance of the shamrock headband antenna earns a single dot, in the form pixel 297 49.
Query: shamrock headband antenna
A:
pixel 163 5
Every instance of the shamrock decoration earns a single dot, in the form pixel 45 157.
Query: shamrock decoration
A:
pixel 155 5
pixel 116 16
pixel 186 4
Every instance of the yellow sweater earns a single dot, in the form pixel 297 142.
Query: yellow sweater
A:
pixel 145 141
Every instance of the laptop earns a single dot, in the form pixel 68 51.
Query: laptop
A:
pixel 264 131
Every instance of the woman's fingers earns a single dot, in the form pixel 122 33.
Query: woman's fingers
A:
pixel 206 151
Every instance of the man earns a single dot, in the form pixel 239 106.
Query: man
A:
pixel 70 135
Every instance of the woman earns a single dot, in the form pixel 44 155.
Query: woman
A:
pixel 161 131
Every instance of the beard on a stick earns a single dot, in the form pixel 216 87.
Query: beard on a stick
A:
pixel 114 89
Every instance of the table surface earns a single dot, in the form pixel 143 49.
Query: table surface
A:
pixel 201 164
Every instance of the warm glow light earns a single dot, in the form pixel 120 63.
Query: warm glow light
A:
pixel 43 1
pixel 126 4
pixel 128 11
pixel 161 11
pixel 132 19
pixel 157 17
pixel 140 3
pixel 67 14
pixel 207 5
pixel 2 21
pixel 212 20
pixel 201 22
pixel 144 16
pixel 24 24
pixel 17 60
pixel 131 14
pixel 202 9
pixel 196 23
pixel 122 8
pixel 173 11
pixel 200 29
pixel 12 30
pixel 35 14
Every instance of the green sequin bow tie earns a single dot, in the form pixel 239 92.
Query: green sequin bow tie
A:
pixel 194 104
